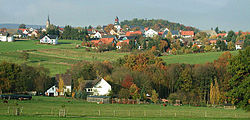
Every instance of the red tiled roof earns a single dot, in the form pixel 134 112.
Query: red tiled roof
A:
pixel 133 33
pixel 95 41
pixel 221 34
pixel 22 29
pixel 146 29
pixel 212 41
pixel 160 33
pixel 124 41
pixel 107 40
pixel 187 32
pixel 244 33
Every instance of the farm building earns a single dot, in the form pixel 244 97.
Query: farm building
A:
pixel 49 39
pixel 67 78
pixel 52 91
pixel 5 37
pixel 97 87
pixel 99 99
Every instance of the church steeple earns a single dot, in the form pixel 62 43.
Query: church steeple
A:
pixel 117 21
pixel 48 22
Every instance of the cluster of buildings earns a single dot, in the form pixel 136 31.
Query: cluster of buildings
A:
pixel 117 35
pixel 97 89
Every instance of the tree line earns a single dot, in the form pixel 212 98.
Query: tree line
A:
pixel 226 80
pixel 15 78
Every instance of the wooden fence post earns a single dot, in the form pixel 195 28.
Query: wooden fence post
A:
pixel 175 114
pixel 114 113
pixel 205 113
pixel 8 110
pixel 99 112
pixel 129 113
pixel 160 113
pixel 145 113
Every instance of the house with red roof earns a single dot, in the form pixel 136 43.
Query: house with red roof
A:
pixel 222 35
pixel 132 33
pixel 24 31
pixel 121 43
pixel 187 34
pixel 95 42
pixel 243 33
pixel 107 40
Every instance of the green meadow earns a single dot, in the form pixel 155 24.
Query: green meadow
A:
pixel 40 108
pixel 59 58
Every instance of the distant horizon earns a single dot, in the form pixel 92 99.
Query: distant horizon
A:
pixel 201 14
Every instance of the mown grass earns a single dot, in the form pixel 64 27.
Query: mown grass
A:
pixel 59 58
pixel 48 108
pixel 198 58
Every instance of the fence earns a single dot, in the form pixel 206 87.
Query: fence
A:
pixel 64 112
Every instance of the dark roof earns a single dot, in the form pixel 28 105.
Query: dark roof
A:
pixel 131 37
pixel 175 32
pixel 5 33
pixel 67 78
pixel 108 36
pixel 50 36
pixel 90 83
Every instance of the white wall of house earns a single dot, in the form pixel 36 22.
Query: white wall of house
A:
pixel 10 39
pixel 67 89
pixel 98 35
pixel 6 39
pixel 47 40
pixel 151 33
pixel 238 47
pixel 3 38
pixel 102 88
pixel 52 91
pixel 187 36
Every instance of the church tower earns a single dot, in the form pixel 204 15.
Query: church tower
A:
pixel 48 22
pixel 117 24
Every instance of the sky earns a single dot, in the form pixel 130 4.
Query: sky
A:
pixel 202 14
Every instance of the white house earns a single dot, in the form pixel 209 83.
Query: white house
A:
pixel 52 91
pixel 49 39
pixel 151 33
pixel 239 44
pixel 98 35
pixel 5 37
pixel 102 87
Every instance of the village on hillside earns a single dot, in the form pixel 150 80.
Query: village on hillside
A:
pixel 139 77
pixel 124 37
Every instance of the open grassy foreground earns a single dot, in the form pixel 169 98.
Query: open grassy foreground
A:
pixel 40 108
pixel 59 58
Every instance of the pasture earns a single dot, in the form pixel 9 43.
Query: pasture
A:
pixel 59 58
pixel 49 108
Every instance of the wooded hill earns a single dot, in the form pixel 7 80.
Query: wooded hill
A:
pixel 157 24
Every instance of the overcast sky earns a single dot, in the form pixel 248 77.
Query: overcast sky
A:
pixel 203 14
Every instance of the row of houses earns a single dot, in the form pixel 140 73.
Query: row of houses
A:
pixel 6 37
pixel 97 87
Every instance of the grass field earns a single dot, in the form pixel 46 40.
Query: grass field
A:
pixel 48 108
pixel 59 58
pixel 199 58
